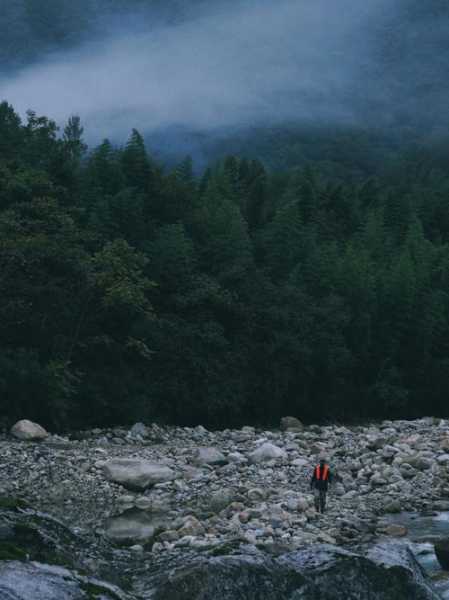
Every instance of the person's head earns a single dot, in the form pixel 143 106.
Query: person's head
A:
pixel 322 461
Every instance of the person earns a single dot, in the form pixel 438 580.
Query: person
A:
pixel 321 478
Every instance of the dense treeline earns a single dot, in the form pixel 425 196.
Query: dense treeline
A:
pixel 129 292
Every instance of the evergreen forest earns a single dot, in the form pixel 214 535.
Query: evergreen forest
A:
pixel 130 290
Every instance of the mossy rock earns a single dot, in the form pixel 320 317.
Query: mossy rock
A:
pixel 21 540
pixel 9 551
pixel 8 503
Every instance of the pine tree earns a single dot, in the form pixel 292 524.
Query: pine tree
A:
pixel 135 163
pixel 73 138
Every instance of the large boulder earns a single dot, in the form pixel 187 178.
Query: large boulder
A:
pixel 136 474
pixel 266 452
pixel 207 455
pixel 29 431
pixel 291 424
pixel 387 572
pixel 442 553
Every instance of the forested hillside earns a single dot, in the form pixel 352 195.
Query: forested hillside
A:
pixel 132 292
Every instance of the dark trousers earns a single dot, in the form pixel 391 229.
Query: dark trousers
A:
pixel 320 500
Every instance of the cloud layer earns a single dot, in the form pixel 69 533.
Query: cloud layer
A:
pixel 244 64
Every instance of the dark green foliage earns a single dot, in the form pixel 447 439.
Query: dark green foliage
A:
pixel 127 293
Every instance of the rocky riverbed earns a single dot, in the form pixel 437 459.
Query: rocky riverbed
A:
pixel 154 497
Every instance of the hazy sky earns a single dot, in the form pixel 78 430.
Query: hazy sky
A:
pixel 247 63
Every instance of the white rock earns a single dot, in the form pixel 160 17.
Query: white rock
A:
pixel 267 452
pixel 29 431
pixel 237 457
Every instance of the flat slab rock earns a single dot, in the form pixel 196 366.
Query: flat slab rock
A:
pixel 34 581
pixel 136 474
pixel 385 572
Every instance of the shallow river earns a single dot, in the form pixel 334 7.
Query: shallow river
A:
pixel 422 530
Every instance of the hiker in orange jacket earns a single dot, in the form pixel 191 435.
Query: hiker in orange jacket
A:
pixel 321 478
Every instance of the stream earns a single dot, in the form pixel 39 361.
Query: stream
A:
pixel 423 530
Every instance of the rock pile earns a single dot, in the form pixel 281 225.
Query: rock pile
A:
pixel 247 485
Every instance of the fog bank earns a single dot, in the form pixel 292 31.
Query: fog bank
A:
pixel 241 64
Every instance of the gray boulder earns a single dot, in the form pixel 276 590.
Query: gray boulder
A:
pixel 386 572
pixel 28 431
pixel 207 455
pixel 291 424
pixel 266 452
pixel 136 474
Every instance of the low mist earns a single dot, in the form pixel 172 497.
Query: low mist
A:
pixel 242 64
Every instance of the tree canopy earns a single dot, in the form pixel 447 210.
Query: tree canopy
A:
pixel 132 291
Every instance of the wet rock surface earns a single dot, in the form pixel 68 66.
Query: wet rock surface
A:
pixel 229 489
pixel 317 571
pixel 442 553
pixel 34 581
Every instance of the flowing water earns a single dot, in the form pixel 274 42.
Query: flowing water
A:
pixel 423 530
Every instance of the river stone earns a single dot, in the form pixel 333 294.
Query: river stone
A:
pixel 191 527
pixel 133 527
pixel 220 499
pixel 376 442
pixel 29 431
pixel 257 494
pixel 291 424
pixel 266 452
pixel 418 462
pixel 442 553
pixel 316 571
pixel 144 503
pixel 396 530
pixel 392 507
pixel 207 455
pixel 136 474
pixel 237 458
